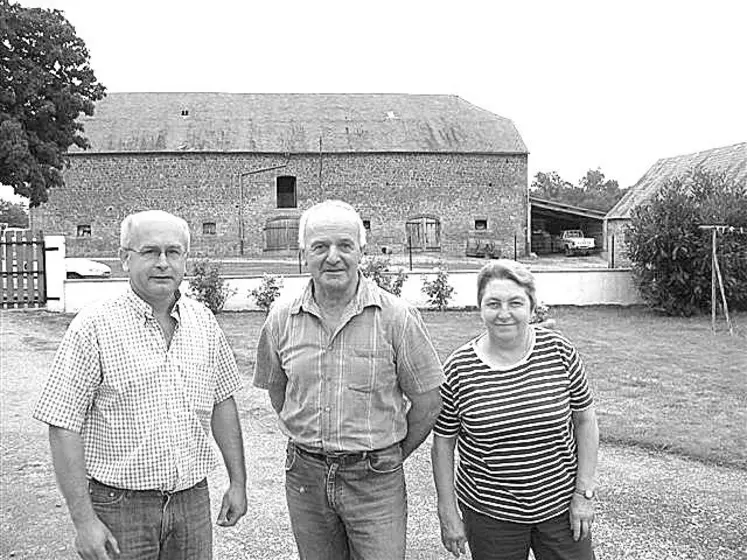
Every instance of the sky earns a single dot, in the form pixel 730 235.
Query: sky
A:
pixel 588 84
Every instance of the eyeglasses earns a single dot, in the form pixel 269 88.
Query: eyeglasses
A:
pixel 173 254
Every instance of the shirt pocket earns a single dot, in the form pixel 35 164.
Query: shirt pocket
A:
pixel 370 370
pixel 199 386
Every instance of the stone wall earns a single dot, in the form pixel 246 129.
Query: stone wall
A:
pixel 617 249
pixel 387 189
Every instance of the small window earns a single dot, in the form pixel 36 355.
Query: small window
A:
pixel 481 225
pixel 84 230
pixel 367 225
pixel 286 192
pixel 208 228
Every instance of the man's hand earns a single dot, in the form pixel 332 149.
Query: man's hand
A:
pixel 581 516
pixel 233 507
pixel 453 535
pixel 94 541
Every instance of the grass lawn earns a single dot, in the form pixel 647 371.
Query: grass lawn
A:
pixel 664 387
pixel 661 383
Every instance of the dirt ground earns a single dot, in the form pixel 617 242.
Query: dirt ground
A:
pixel 651 505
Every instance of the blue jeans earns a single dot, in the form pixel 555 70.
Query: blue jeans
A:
pixel 491 539
pixel 154 525
pixel 347 508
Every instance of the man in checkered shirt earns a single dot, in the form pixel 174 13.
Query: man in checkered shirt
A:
pixel 136 387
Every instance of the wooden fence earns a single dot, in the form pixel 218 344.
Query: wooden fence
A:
pixel 22 267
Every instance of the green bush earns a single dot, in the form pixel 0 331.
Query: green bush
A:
pixel 438 290
pixel 207 285
pixel 671 255
pixel 377 269
pixel 267 292
pixel 541 313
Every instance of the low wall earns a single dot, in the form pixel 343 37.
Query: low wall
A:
pixel 554 287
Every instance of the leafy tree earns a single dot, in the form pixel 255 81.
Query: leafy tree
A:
pixel 15 215
pixel 551 186
pixel 46 84
pixel 600 193
pixel 594 190
pixel 671 255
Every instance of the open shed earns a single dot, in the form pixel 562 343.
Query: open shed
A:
pixel 547 219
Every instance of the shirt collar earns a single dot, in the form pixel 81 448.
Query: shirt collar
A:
pixel 143 307
pixel 367 294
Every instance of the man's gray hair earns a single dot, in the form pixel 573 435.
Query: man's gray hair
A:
pixel 134 220
pixel 331 206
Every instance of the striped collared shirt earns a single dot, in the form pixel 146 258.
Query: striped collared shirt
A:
pixel 143 410
pixel 345 390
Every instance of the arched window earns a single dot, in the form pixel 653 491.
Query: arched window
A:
pixel 424 233
pixel 281 234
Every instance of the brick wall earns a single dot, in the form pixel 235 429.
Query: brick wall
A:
pixel 387 189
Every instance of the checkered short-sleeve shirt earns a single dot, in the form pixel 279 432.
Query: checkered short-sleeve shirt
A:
pixel 143 410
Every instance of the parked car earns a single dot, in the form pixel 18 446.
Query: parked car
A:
pixel 575 243
pixel 77 267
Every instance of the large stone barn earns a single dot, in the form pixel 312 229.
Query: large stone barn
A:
pixel 730 160
pixel 424 171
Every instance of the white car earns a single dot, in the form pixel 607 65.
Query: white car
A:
pixel 77 267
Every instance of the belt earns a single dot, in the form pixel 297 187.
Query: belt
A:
pixel 339 457
pixel 148 491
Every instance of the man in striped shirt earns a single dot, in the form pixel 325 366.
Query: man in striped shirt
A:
pixel 355 380
pixel 134 390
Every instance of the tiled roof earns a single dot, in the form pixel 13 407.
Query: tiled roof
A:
pixel 731 160
pixel 280 123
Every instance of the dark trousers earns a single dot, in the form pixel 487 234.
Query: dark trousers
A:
pixel 154 525
pixel 491 539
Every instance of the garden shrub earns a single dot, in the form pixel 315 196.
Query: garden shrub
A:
pixel 208 286
pixel 438 290
pixel 541 313
pixel 671 255
pixel 267 292
pixel 377 269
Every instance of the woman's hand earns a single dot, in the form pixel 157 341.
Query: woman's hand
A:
pixel 581 517
pixel 453 535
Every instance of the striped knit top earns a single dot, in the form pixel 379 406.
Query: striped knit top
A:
pixel 517 451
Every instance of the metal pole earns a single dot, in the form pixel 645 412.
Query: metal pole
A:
pixel 409 248
pixel 713 280
pixel 320 161
pixel 612 252
pixel 241 214
pixel 241 196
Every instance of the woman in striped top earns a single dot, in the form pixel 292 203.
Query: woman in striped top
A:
pixel 517 402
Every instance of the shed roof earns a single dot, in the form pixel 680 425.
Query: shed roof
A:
pixel 294 123
pixel 731 160
pixel 564 208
